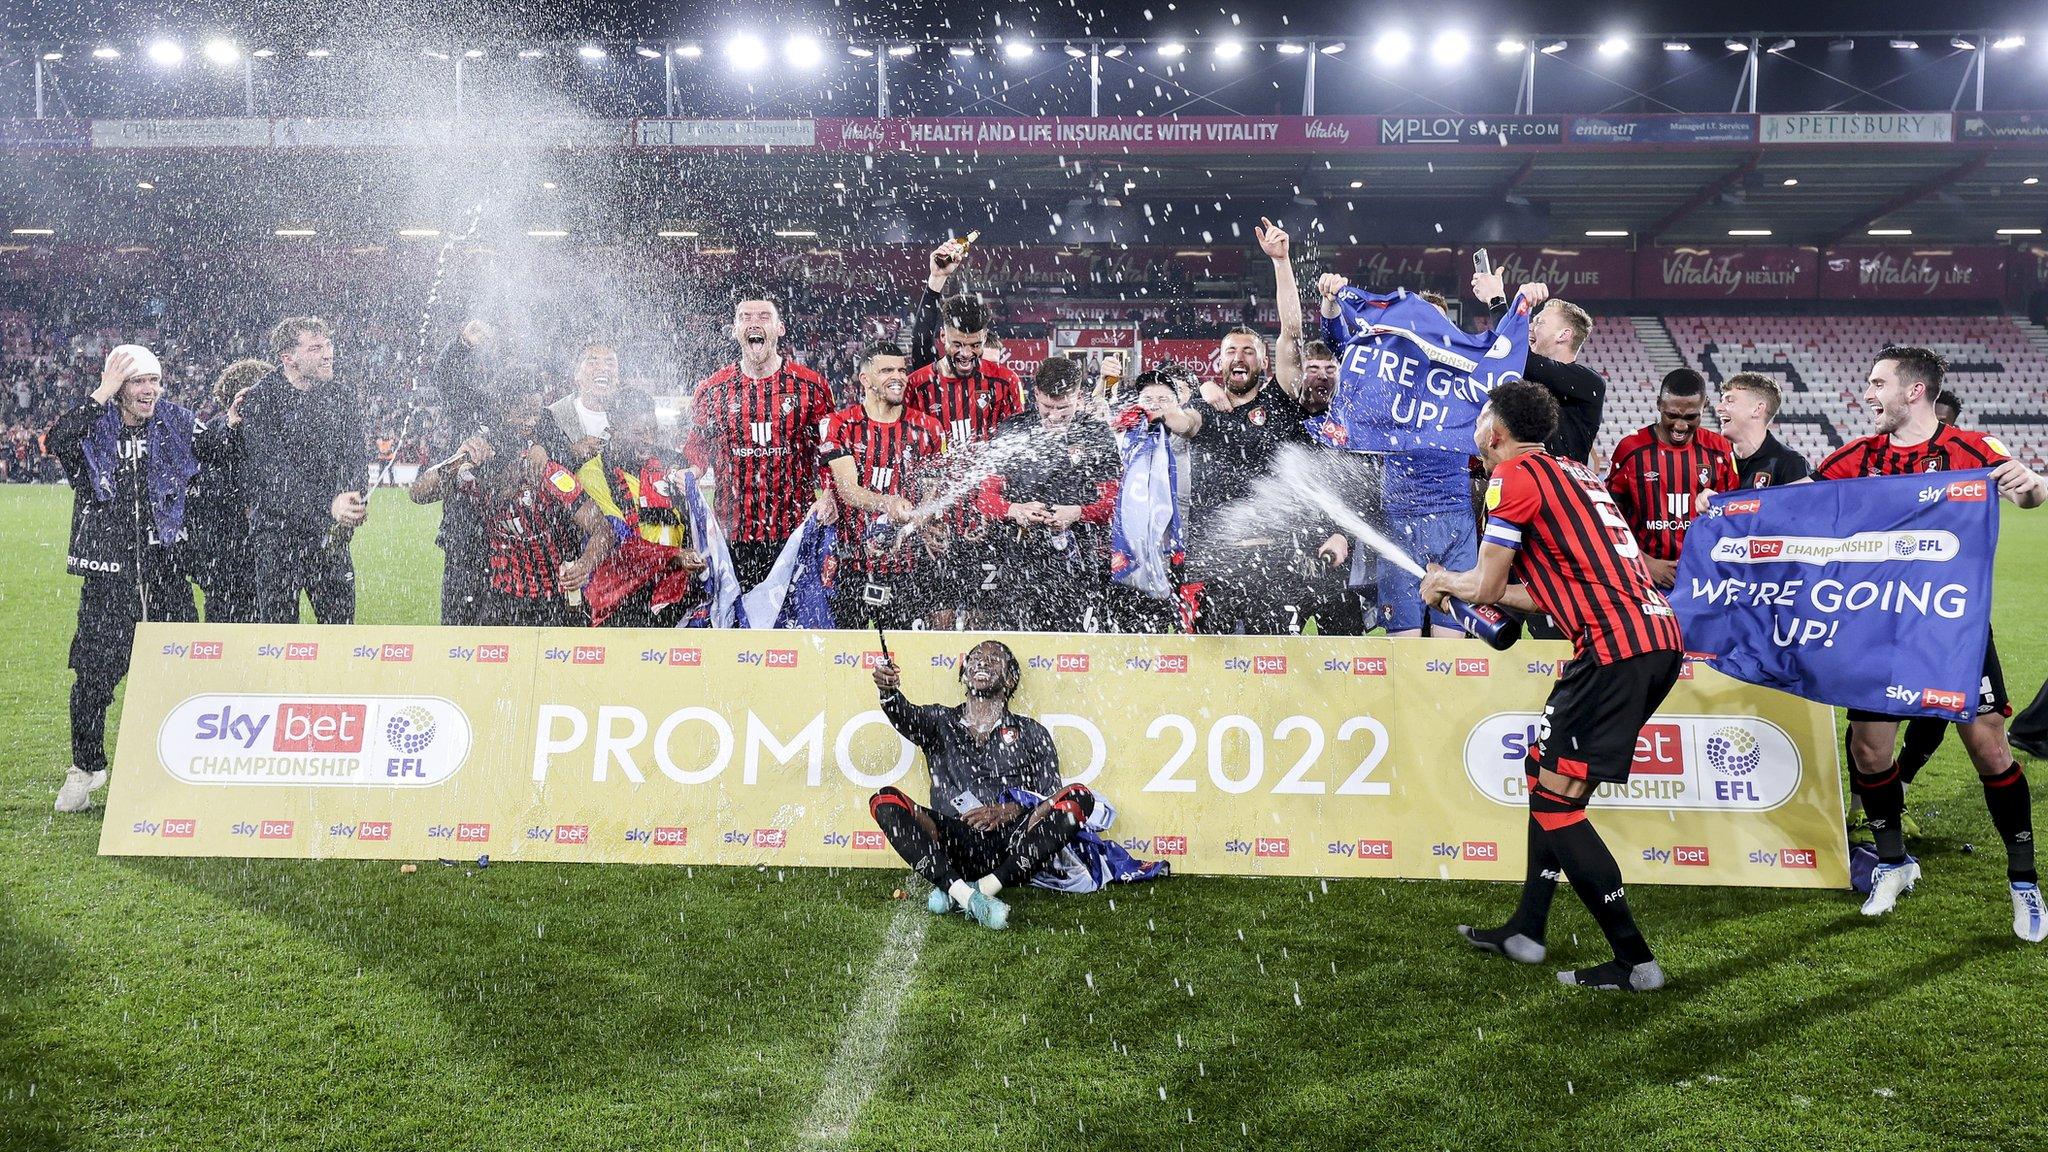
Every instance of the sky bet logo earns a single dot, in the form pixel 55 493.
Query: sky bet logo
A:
pixel 1683 855
pixel 299 650
pixel 487 654
pixel 861 660
pixel 1064 662
pixel 385 654
pixel 1257 665
pixel 1358 665
pixel 1962 492
pixel 300 727
pixel 674 657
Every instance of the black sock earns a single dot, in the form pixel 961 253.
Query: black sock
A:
pixel 1923 736
pixel 1034 845
pixel 1884 806
pixel 1592 870
pixel 2012 813
pixel 1532 913
pixel 896 816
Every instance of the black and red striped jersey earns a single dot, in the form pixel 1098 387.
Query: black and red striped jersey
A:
pixel 889 457
pixel 758 436
pixel 1657 486
pixel 967 407
pixel 1950 449
pixel 1577 558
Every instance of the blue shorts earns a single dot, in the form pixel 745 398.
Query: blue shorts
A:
pixel 1448 538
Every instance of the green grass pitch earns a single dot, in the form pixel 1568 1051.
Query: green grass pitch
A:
pixel 227 1004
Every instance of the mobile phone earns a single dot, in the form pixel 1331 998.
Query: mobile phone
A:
pixel 1481 262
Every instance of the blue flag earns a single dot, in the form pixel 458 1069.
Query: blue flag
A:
pixel 1145 533
pixel 721 579
pixel 1091 862
pixel 793 595
pixel 1872 594
pixel 1408 379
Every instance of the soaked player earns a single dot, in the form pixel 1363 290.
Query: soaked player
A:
pixel 1659 472
pixel 1553 527
pixel 1900 398
pixel 967 842
pixel 877 451
pixel 755 426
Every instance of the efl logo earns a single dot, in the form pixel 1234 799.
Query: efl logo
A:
pixel 770 837
pixel 1969 491
pixel 472 833
pixel 1798 858
pixel 206 650
pixel 274 830
pixel 1375 849
pixel 1369 666
pixel 779 658
pixel 181 829
pixel 1269 846
pixel 1766 549
pixel 686 657
pixel 868 841
pixel 572 833
pixel 373 830
pixel 1689 855
pixel 493 653
pixel 1660 751
pixel 587 654
pixel 1738 507
pixel 1946 701
pixel 671 837
pixel 1269 666
pixel 320 727
pixel 302 651
pixel 1481 850
pixel 395 654
pixel 1473 666
pixel 1170 845
pixel 1172 663
pixel 1070 662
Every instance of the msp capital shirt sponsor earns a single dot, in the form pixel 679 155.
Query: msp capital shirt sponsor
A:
pixel 331 740
pixel 1715 763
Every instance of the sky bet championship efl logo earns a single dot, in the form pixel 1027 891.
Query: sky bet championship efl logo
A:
pixel 377 741
pixel 1713 763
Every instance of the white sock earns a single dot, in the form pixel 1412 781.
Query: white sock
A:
pixel 960 892
pixel 989 885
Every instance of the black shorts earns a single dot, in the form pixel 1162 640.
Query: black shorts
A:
pixel 1991 695
pixel 1595 712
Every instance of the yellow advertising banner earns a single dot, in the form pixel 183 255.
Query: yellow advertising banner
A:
pixel 1297 756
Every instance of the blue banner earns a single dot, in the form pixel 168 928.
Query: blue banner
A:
pixel 1408 379
pixel 1662 130
pixel 1872 594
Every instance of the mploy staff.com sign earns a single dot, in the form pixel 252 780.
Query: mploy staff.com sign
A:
pixel 1227 755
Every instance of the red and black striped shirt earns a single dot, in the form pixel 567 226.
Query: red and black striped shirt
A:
pixel 1576 556
pixel 1657 486
pixel 524 540
pixel 1950 449
pixel 968 407
pixel 888 458
pixel 759 439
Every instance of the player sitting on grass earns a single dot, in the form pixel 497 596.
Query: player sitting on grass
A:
pixel 982 833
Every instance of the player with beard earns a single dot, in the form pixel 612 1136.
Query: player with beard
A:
pixel 970 396
pixel 1660 472
pixel 1235 428
pixel 970 843
pixel 878 452
pixel 581 414
pixel 1908 439
pixel 1748 404
pixel 755 427
pixel 1553 530
pixel 1052 501
pixel 302 441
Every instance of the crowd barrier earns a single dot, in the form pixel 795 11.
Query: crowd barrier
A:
pixel 1297 756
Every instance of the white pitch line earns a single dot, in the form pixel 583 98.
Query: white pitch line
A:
pixel 864 1039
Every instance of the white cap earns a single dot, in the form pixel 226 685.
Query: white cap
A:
pixel 144 362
